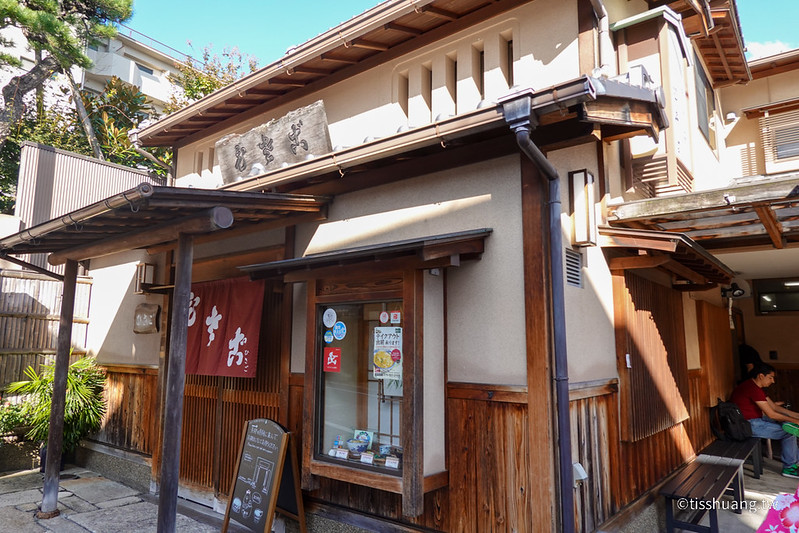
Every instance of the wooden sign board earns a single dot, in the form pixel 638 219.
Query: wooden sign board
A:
pixel 263 484
pixel 289 139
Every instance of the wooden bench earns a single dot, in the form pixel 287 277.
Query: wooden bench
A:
pixel 696 490
pixel 743 450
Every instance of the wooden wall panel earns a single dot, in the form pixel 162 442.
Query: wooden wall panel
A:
pixel 216 408
pixel 715 350
pixel 654 387
pixel 786 386
pixel 131 414
pixel 595 445
pixel 490 473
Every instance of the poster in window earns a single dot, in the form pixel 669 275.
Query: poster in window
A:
pixel 387 357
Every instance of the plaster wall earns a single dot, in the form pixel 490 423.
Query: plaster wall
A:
pixel 590 340
pixel 486 339
pixel 745 155
pixel 434 375
pixel 371 104
pixel 110 333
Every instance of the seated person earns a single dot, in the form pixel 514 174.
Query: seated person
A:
pixel 748 358
pixel 768 420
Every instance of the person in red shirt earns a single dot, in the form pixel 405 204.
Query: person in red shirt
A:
pixel 768 420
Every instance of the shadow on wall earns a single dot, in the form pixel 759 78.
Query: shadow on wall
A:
pixel 120 344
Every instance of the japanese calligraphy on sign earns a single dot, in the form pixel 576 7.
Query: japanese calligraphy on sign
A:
pixel 387 355
pixel 223 327
pixel 288 139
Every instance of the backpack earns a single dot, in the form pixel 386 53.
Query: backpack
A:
pixel 728 423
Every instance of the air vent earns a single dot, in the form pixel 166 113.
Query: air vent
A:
pixel 574 268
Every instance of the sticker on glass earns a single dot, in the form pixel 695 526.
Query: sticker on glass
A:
pixel 396 317
pixel 328 336
pixel 329 317
pixel 383 317
pixel 332 361
pixel 339 330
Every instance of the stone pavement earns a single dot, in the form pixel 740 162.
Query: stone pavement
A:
pixel 90 503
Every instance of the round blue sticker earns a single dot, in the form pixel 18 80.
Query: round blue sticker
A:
pixel 339 330
pixel 328 336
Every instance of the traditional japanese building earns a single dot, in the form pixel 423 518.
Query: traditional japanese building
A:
pixel 487 238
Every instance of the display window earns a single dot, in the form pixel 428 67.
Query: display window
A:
pixel 360 392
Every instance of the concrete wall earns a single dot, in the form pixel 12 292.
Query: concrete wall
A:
pixel 110 336
pixel 373 104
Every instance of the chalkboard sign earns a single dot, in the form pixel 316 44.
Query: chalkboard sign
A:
pixel 263 483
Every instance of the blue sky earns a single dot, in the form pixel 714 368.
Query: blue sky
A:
pixel 266 28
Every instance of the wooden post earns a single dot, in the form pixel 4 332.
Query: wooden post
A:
pixel 55 438
pixel 176 379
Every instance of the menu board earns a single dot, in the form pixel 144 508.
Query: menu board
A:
pixel 263 483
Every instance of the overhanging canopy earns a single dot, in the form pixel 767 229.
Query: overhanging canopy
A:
pixel 148 216
pixel 426 252
pixel 749 212
pixel 690 266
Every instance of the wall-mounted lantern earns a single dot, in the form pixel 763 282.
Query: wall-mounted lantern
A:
pixel 145 275
pixel 582 203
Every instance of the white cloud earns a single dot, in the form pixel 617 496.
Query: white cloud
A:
pixel 757 50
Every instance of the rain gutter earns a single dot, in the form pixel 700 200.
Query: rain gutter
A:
pixel 132 197
pixel 520 114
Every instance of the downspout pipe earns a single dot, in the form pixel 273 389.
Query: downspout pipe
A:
pixel 522 120
pixel 606 54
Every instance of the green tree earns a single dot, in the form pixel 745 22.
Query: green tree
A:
pixel 59 28
pixel 201 78
pixel 113 113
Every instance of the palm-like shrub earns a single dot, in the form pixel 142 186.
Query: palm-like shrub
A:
pixel 84 408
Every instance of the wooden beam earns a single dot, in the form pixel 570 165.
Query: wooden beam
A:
pixel 640 261
pixel 328 57
pixel 625 241
pixel 722 56
pixel 769 220
pixel 211 220
pixel 302 69
pixel 684 272
pixel 402 28
pixel 55 436
pixel 369 45
pixel 439 13
pixel 176 381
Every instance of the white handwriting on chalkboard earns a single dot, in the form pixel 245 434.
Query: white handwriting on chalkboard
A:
pixel 257 441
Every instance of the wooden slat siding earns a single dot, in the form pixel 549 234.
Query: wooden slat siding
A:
pixel 715 349
pixel 593 435
pixel 541 483
pixel 656 344
pixel 29 314
pixel 130 418
pixel 698 423
pixel 216 408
